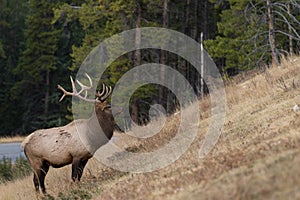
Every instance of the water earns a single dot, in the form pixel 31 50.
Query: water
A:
pixel 11 150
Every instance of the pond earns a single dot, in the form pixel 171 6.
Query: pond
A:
pixel 11 150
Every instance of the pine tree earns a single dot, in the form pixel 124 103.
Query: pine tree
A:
pixel 37 65
pixel 252 33
pixel 12 24
pixel 233 47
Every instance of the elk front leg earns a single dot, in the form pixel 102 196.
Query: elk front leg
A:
pixel 80 168
pixel 75 166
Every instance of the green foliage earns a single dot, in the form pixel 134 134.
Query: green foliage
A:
pixel 11 171
pixel 43 42
pixel 37 64
pixel 44 61
pixel 11 44
pixel 21 168
pixel 101 19
pixel 234 42
pixel 6 173
pixel 70 195
pixel 242 42
pixel 74 195
pixel 92 21
pixel 42 39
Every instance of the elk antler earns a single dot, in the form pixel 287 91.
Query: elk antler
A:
pixel 84 88
pixel 106 91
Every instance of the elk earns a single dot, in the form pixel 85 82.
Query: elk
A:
pixel 60 146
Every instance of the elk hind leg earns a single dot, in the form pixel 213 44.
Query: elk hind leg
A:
pixel 36 166
pixel 36 181
pixel 44 170
pixel 36 175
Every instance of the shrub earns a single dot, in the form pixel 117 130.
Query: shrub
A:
pixel 21 168
pixel 71 195
pixel 6 173
pixel 10 170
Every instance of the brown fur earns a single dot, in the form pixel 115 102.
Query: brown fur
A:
pixel 65 145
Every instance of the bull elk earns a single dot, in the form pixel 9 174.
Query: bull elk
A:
pixel 60 146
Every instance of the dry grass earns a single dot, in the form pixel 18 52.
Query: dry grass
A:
pixel 12 139
pixel 256 157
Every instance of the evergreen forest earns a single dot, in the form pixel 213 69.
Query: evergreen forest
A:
pixel 44 42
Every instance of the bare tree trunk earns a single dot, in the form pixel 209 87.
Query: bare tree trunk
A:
pixel 137 58
pixel 272 33
pixel 163 57
pixel 186 31
pixel 290 32
pixel 196 37
pixel 196 28
pixel 135 111
pixel 202 68
pixel 46 106
pixel 187 16
pixel 137 55
pixel 205 26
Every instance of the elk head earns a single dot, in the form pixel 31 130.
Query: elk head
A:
pixel 102 107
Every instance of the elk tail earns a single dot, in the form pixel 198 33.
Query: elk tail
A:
pixel 26 140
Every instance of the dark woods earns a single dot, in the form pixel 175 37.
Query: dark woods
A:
pixel 43 42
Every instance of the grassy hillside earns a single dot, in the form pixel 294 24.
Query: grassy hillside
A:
pixel 256 157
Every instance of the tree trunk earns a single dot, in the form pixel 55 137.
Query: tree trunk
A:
pixel 137 55
pixel 186 31
pixel 137 59
pixel 272 38
pixel 196 28
pixel 135 111
pixel 196 37
pixel 46 106
pixel 202 68
pixel 187 17
pixel 47 94
pixel 205 27
pixel 290 32
pixel 163 58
